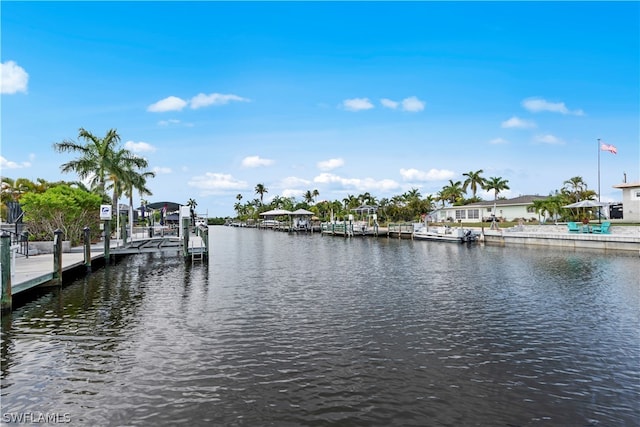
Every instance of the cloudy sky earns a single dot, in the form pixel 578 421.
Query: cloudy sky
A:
pixel 344 98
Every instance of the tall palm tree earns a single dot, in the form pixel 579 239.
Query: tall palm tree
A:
pixel 452 192
pixel 192 209
pixel 474 181
pixel 497 184
pixel 261 190
pixel 575 187
pixel 95 158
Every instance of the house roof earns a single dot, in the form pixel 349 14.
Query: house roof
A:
pixel 627 185
pixel 516 201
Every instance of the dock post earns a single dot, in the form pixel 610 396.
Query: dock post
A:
pixel 107 240
pixel 87 249
pixel 5 262
pixel 204 234
pixel 57 256
pixel 185 237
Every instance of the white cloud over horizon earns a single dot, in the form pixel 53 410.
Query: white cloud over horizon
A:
pixel 174 103
pixel 357 104
pixel 13 78
pixel 536 105
pixel 364 184
pixel 162 170
pixel 255 162
pixel 327 165
pixel 430 175
pixel 412 104
pixel 389 103
pixel 518 123
pixel 498 141
pixel 8 164
pixel 139 147
pixel 216 183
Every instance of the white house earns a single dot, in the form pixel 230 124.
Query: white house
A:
pixel 505 209
pixel 630 201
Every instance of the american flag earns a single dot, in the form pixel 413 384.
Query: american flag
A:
pixel 609 148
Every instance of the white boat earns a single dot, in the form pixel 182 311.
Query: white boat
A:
pixel 445 234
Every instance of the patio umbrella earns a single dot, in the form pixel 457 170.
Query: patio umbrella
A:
pixel 586 204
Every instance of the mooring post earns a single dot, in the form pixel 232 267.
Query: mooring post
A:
pixel 107 240
pixel 5 261
pixel 204 234
pixel 57 256
pixel 185 237
pixel 87 248
pixel 123 232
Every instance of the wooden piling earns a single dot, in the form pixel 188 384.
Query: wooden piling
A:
pixel 107 240
pixel 87 249
pixel 5 260
pixel 185 237
pixel 57 257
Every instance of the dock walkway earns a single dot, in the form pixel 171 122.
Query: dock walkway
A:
pixel 38 270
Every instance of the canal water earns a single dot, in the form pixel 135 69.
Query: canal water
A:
pixel 305 330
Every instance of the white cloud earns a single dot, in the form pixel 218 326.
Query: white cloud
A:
pixel 8 164
pixel 292 181
pixel 168 122
pixel 430 175
pixel 216 183
pixel 518 123
pixel 357 104
pixel 13 78
pixel 255 161
pixel 389 103
pixel 536 105
pixel 412 104
pixel 203 100
pixel 290 192
pixel 171 103
pixel 159 170
pixel 548 139
pixel 498 141
pixel 327 165
pixel 139 147
pixel 366 184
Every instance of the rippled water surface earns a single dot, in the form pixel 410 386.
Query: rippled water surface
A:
pixel 293 330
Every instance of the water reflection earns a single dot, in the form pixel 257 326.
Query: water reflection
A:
pixel 309 330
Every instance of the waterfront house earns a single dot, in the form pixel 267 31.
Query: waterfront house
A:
pixel 630 201
pixel 505 210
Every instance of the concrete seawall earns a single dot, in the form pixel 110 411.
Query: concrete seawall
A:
pixel 622 238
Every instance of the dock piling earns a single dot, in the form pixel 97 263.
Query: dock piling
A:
pixel 107 239
pixel 57 257
pixel 87 249
pixel 5 261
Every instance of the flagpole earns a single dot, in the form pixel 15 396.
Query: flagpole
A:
pixel 599 180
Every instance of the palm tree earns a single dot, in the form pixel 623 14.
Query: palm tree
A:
pixel 308 197
pixel 473 181
pixel 95 158
pixel 452 192
pixel 496 184
pixel 192 210
pixel 261 190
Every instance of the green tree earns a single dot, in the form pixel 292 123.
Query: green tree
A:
pixel 261 190
pixel 61 207
pixel 96 157
pixel 496 184
pixel 474 181
pixel 192 209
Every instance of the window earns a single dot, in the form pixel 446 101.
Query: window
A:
pixel 637 193
pixel 460 213
pixel 473 213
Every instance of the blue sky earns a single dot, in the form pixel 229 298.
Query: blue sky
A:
pixel 345 98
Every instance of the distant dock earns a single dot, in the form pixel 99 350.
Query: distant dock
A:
pixel 21 273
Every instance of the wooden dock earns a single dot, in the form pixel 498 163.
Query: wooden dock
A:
pixel 21 273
